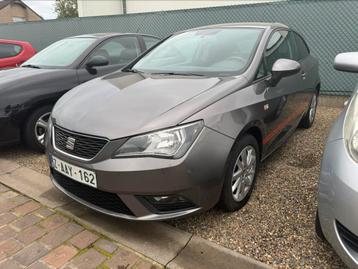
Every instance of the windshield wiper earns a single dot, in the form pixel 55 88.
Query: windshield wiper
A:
pixel 31 66
pixel 178 74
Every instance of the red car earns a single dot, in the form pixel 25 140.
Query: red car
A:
pixel 13 53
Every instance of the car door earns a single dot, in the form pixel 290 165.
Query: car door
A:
pixel 118 50
pixel 280 110
pixel 302 55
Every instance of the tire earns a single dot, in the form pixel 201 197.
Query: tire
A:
pixel 318 228
pixel 232 200
pixel 33 126
pixel 309 117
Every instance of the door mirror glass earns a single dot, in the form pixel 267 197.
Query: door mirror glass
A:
pixel 283 68
pixel 97 60
pixel 347 62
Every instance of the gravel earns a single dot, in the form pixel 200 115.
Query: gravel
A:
pixel 277 225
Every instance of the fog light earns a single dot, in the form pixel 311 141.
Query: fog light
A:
pixel 168 203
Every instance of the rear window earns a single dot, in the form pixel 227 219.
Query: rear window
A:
pixel 9 50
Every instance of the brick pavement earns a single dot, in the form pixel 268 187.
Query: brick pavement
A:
pixel 36 237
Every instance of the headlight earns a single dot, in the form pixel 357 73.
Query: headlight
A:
pixel 170 143
pixel 351 129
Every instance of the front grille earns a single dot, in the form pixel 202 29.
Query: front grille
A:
pixel 85 147
pixel 347 236
pixel 102 199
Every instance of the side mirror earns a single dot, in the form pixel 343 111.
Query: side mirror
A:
pixel 97 61
pixel 347 62
pixel 283 68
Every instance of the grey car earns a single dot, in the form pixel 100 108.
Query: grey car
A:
pixel 337 218
pixel 184 126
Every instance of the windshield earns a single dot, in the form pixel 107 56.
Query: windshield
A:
pixel 61 53
pixel 220 52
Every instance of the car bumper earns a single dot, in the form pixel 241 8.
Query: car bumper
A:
pixel 337 201
pixel 196 178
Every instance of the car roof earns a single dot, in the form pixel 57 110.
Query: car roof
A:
pixel 107 35
pixel 264 25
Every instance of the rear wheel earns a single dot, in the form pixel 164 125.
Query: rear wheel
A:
pixel 308 119
pixel 35 128
pixel 240 175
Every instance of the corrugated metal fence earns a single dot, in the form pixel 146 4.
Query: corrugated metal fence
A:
pixel 328 26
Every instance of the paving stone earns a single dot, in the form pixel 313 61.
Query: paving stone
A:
pixel 59 256
pixel 7 232
pixel 30 234
pixel 84 239
pixel 54 222
pixel 122 258
pixel 106 245
pixel 89 259
pixel 10 264
pixel 73 228
pixel 43 212
pixel 8 195
pixel 3 188
pixel 38 265
pixel 8 204
pixel 143 264
pixel 25 221
pixel 7 166
pixel 30 254
pixel 10 247
pixel 26 208
pixel 6 218
pixel 56 237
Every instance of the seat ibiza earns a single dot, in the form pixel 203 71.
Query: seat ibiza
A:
pixel 184 126
pixel 337 218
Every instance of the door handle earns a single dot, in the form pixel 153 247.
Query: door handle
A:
pixel 303 75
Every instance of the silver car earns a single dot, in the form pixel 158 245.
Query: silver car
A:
pixel 337 218
pixel 184 126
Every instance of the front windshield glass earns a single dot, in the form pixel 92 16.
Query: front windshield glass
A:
pixel 220 52
pixel 61 53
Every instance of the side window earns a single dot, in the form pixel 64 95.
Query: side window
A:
pixel 150 41
pixel 302 47
pixel 277 48
pixel 294 48
pixel 261 72
pixel 9 50
pixel 118 50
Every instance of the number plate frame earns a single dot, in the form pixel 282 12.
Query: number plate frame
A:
pixel 74 172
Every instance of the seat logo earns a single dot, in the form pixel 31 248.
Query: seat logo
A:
pixel 70 144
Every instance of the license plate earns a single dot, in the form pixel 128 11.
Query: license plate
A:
pixel 76 173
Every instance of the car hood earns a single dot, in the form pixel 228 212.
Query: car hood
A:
pixel 17 83
pixel 9 78
pixel 124 104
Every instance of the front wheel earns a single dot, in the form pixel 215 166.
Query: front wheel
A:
pixel 240 175
pixel 308 119
pixel 35 128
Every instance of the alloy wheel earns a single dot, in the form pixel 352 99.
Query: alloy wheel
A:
pixel 41 127
pixel 244 173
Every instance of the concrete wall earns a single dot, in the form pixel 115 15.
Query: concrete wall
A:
pixel 114 7
pixel 8 13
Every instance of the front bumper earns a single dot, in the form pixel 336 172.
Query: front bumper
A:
pixel 337 201
pixel 197 177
